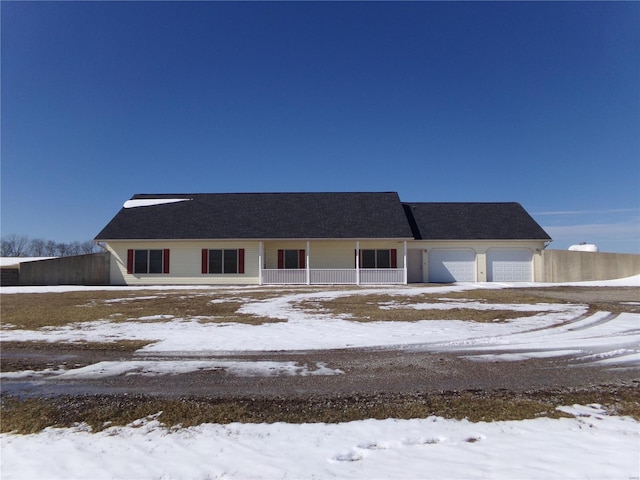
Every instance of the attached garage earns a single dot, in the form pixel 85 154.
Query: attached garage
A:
pixel 455 265
pixel 510 265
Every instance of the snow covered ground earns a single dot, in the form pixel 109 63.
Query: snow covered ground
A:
pixel 554 330
pixel 590 445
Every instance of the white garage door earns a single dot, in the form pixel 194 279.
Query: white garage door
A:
pixel 510 265
pixel 452 266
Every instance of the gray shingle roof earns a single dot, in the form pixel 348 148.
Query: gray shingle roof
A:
pixel 262 216
pixel 472 221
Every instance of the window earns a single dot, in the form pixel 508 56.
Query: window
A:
pixel 384 258
pixel 147 261
pixel 291 259
pixel 223 261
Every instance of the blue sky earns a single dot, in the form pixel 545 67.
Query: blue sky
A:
pixel 535 102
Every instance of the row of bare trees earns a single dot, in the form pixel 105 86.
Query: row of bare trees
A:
pixel 22 246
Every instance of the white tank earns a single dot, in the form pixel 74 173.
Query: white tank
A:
pixel 584 247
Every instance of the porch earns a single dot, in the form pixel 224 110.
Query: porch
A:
pixel 323 263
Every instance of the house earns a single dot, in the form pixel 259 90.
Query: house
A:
pixel 318 238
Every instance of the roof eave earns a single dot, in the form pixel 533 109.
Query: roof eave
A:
pixel 259 239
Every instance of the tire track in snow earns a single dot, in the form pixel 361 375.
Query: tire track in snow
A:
pixel 596 338
pixel 595 323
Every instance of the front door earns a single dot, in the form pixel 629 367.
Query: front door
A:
pixel 414 265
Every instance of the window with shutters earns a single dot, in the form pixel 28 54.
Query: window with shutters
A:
pixel 223 261
pixel 291 259
pixel 383 258
pixel 148 261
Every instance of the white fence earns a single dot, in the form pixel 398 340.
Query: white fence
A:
pixel 334 276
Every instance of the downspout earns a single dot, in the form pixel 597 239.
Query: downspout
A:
pixel 260 254
pixel 405 276
pixel 357 262
pixel 308 273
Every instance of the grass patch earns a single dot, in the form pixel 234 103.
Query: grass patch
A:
pixel 32 415
pixel 501 295
pixel 367 308
pixel 32 311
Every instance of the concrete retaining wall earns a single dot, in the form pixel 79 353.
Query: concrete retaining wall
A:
pixel 91 269
pixel 571 266
pixel 10 276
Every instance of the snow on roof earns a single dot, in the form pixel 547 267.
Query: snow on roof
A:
pixel 13 261
pixel 147 202
pixel 261 215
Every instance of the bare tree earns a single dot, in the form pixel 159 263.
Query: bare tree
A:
pixel 88 246
pixel 50 248
pixel 4 248
pixel 21 246
pixel 15 245
pixel 62 249
pixel 37 247
pixel 74 248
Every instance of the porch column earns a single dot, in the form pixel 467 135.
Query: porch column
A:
pixel 404 274
pixel 307 265
pixel 260 255
pixel 357 262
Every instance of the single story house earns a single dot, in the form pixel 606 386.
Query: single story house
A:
pixel 318 238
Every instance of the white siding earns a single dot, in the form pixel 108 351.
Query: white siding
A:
pixel 333 255
pixel 186 258
pixel 185 263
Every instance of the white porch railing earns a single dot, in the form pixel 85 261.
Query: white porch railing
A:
pixel 284 277
pixel 333 276
pixel 385 276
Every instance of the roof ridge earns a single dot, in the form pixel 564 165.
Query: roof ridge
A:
pixel 268 193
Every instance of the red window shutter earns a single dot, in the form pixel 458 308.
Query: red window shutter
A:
pixel 394 258
pixel 166 261
pixel 130 261
pixel 205 261
pixel 280 259
pixel 301 259
pixel 241 260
